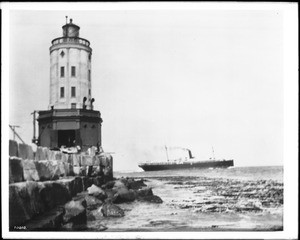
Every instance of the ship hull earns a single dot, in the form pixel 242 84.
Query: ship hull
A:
pixel 187 165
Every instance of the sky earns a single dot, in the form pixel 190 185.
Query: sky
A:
pixel 196 79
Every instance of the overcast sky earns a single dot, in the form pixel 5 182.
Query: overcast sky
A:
pixel 195 79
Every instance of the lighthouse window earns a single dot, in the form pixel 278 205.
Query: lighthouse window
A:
pixel 73 92
pixel 62 71
pixel 62 92
pixel 89 75
pixel 73 71
pixel 90 92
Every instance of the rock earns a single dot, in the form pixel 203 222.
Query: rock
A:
pixel 49 221
pixel 75 159
pixel 86 160
pixel 15 170
pixel 97 192
pixel 40 154
pixel 64 157
pixel 98 180
pixel 77 170
pixel 135 185
pixel 96 160
pixel 58 155
pixel 144 192
pixel 91 201
pixel 152 199
pixel 111 210
pixel 73 185
pixel 108 185
pixel 54 193
pixel 29 171
pixel 124 195
pixel 111 194
pixel 106 164
pixel 91 151
pixel 48 169
pixel 75 212
pixel 24 151
pixel 25 202
pixel 96 213
pixel 119 184
pixel 13 148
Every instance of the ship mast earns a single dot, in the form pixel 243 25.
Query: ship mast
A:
pixel 167 153
pixel 213 152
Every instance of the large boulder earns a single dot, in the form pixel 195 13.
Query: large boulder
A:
pixel 13 148
pixel 29 170
pixel 124 195
pixel 15 170
pixel 111 210
pixel 91 201
pixel 96 192
pixel 75 212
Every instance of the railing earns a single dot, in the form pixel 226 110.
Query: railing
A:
pixel 71 40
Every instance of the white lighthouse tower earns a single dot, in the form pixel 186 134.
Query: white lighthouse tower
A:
pixel 70 70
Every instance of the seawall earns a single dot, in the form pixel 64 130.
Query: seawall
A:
pixel 41 181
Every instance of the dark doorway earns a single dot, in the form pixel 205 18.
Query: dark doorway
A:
pixel 66 138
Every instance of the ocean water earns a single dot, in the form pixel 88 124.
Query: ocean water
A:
pixel 233 199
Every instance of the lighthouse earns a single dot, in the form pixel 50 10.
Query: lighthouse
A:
pixel 70 119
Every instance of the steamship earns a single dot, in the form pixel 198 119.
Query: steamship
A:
pixel 187 163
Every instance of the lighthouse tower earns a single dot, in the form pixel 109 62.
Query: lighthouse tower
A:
pixel 70 70
pixel 70 119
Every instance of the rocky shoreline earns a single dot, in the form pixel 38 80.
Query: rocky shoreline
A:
pixel 86 209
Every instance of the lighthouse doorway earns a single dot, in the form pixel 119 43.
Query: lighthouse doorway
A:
pixel 66 138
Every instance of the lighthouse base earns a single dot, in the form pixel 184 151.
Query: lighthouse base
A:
pixel 69 127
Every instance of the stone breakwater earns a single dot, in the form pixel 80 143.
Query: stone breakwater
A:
pixel 41 182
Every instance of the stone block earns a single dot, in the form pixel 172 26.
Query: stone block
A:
pixel 30 154
pixel 58 155
pixel 76 170
pixel 61 167
pixel 22 150
pixel 29 171
pixel 97 160
pixel 76 160
pixel 13 148
pixel 86 160
pixel 64 157
pixel 91 151
pixel 42 153
pixel 48 169
pixel 51 155
pixel 24 202
pixel 15 170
